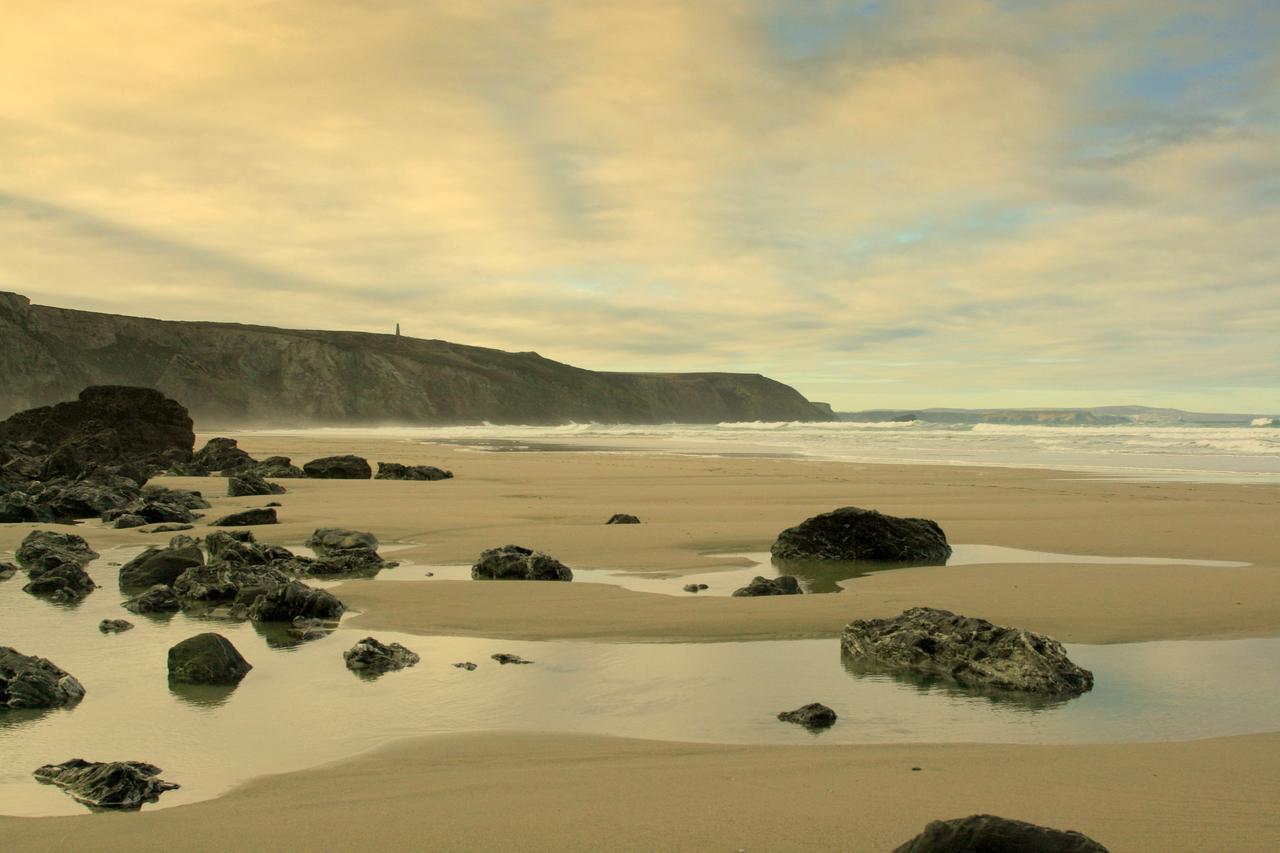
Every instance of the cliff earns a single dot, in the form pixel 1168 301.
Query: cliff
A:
pixel 232 374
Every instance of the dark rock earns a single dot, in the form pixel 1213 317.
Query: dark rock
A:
pixel 695 587
pixel 7 570
pixel 372 657
pixel 158 599
pixel 159 566
pixel 467 665
pixel 178 497
pixel 170 528
pixel 815 715
pixel 61 582
pixel 364 563
pixel 32 682
pixel 968 651
pixel 115 626
pixel 257 515
pixel 986 833
pixel 41 547
pixel 222 454
pixel 287 602
pixel 121 785
pixel 505 658
pixel 128 520
pixel 336 541
pixel 182 541
pixel 207 659
pixel 338 468
pixel 781 585
pixel 247 484
pixel 622 518
pixel 850 533
pixel 277 467
pixel 215 584
pixel 274 503
pixel 511 562
pixel 396 471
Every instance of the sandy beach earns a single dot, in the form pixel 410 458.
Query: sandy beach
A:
pixel 557 792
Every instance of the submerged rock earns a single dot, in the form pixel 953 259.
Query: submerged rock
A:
pixel 622 518
pixel 511 562
pixel 850 533
pixel 338 468
pixel 984 832
pixel 122 785
pixel 781 585
pixel 396 471
pixel 247 484
pixel 32 682
pixel 968 651
pixel 815 715
pixel 372 657
pixel 115 626
pixel 207 659
pixel 506 658
pixel 158 599
pixel 159 566
pixel 46 547
pixel 245 518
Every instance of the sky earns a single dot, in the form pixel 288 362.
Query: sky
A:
pixel 884 204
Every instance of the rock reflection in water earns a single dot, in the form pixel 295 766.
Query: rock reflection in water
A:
pixel 924 684
pixel 824 576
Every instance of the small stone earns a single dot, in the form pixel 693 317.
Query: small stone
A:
pixel 8 570
pixel 115 626
pixel 622 518
pixel 369 656
pixel 695 587
pixel 781 585
pixel 815 715
pixel 505 658
pixel 467 665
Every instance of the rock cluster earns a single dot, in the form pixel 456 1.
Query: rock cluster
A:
pixel 55 565
pixel 511 562
pixel 396 471
pixel 850 533
pixel 371 657
pixel 32 682
pixel 781 585
pixel 122 785
pixel 984 832
pixel 815 715
pixel 964 650
pixel 207 659
pixel 223 455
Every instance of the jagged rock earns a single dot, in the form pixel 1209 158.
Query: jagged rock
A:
pixel 695 587
pixel 181 497
pixel 278 467
pixel 159 566
pixel 506 658
pixel 247 484
pixel 336 541
pixel 151 512
pixel 201 587
pixel 338 468
pixel 622 518
pixel 7 570
pixel 372 657
pixel 396 471
pixel 207 659
pixel 257 515
pixel 287 602
pixel 222 454
pixel 121 785
pixel 984 833
pixel 61 582
pixel 511 562
pixel 467 665
pixel 170 528
pixel 158 599
pixel 815 715
pixel 115 626
pixel 32 682
pixel 128 520
pixel 41 547
pixel 781 585
pixel 968 651
pixel 850 533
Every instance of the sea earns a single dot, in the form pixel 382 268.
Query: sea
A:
pixel 1245 453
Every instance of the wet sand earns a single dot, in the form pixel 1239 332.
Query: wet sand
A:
pixel 557 792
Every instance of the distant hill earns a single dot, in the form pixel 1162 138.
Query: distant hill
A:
pixel 230 374
pixel 1095 416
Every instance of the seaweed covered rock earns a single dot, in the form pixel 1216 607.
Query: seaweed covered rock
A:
pixel 984 833
pixel 396 471
pixel 121 785
pixel 964 650
pixel 32 682
pixel 781 585
pixel 815 715
pixel 338 468
pixel 159 566
pixel 248 484
pixel 207 659
pixel 511 562
pixel 248 517
pixel 371 657
pixel 47 547
pixel 850 533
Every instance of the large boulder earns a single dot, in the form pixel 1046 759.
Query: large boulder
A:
pixel 216 584
pixel 277 467
pixel 122 785
pixel 62 582
pixel 984 833
pixel 511 562
pixel 47 547
pixel 781 585
pixel 248 517
pixel 850 533
pixel 207 659
pixel 338 468
pixel 159 566
pixel 371 657
pixel 970 652
pixel 396 471
pixel 335 541
pixel 222 454
pixel 248 484
pixel 289 601
pixel 32 682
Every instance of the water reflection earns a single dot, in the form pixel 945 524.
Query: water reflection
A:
pixel 204 696
pixel 923 683
pixel 824 576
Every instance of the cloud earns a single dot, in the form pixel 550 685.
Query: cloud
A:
pixel 904 203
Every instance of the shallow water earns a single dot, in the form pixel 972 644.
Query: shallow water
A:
pixel 300 707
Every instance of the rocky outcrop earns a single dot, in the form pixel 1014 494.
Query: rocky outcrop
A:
pixel 255 374
pixel 159 566
pixel 622 518
pixel 850 533
pixel 966 651
pixel 781 585
pixel 396 471
pixel 984 832
pixel 32 682
pixel 248 517
pixel 207 659
pixel 370 657
pixel 815 715
pixel 511 562
pixel 248 484
pixel 338 468
pixel 116 785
